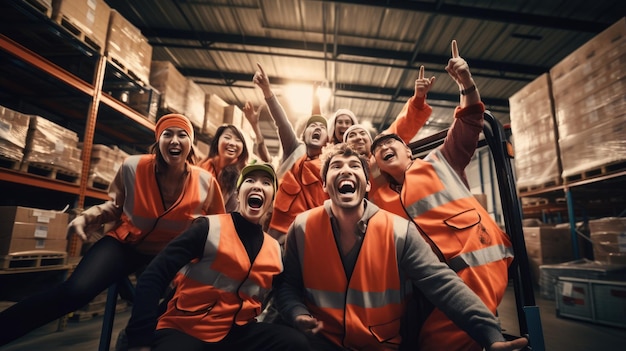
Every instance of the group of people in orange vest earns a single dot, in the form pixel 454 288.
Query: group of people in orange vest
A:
pixel 366 248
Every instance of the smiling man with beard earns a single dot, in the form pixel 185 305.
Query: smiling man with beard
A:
pixel 301 188
pixel 223 267
pixel 349 267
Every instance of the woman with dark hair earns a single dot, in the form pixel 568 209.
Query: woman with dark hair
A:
pixel 228 155
pixel 154 198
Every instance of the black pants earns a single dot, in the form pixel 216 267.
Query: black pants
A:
pixel 250 337
pixel 107 262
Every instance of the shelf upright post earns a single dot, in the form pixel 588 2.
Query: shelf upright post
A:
pixel 572 221
pixel 90 128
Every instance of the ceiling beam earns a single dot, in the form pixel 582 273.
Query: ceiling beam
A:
pixel 208 39
pixel 485 14
pixel 403 94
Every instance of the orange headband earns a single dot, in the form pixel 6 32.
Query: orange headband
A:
pixel 173 120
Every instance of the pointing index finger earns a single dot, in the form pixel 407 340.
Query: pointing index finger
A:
pixel 455 49
pixel 260 68
pixel 421 74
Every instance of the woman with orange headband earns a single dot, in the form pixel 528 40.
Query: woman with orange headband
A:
pixel 154 197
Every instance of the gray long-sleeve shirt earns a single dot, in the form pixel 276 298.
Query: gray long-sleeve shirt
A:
pixel 436 280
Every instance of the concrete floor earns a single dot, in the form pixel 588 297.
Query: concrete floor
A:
pixel 560 334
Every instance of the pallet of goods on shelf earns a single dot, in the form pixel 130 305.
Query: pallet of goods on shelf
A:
pixel 608 238
pixel 533 125
pixel 171 84
pixel 51 151
pixel 195 104
pixel 105 161
pixel 213 113
pixel 43 6
pixel 128 48
pixel 13 132
pixel 39 232
pixel 87 20
pixel 588 88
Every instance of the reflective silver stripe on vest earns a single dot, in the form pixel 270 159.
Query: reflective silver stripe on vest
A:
pixel 365 299
pixel 299 225
pixel 480 257
pixel 129 168
pixel 454 187
pixel 203 189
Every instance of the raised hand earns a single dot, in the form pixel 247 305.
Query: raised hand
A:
pixel 423 85
pixel 252 115
pixel 458 68
pixel 262 81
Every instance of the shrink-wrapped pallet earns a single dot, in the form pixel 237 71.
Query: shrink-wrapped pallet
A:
pixel 588 88
pixel 172 85
pixel 13 131
pixel 128 48
pixel 535 137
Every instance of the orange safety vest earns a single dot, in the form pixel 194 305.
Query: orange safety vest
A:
pixel 363 313
pixel 223 287
pixel 472 243
pixel 299 190
pixel 144 221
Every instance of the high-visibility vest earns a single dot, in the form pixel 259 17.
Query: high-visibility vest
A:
pixel 299 190
pixel 145 222
pixel 472 243
pixel 361 313
pixel 223 287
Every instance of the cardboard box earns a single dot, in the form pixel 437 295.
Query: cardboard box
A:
pixel 86 19
pixel 547 245
pixel 128 48
pixel 213 113
pixel 172 85
pixel 608 238
pixel 195 104
pixel 24 229
pixel 13 132
pixel 233 115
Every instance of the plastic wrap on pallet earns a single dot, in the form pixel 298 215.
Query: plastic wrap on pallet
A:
pixel 171 84
pixel 105 161
pixel 13 131
pixel 534 135
pixel 608 238
pixel 50 144
pixel 194 104
pixel 127 47
pixel 588 88
pixel 89 17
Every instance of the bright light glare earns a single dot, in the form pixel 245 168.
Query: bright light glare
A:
pixel 323 93
pixel 299 97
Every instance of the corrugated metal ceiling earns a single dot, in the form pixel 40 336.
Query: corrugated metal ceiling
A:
pixel 368 52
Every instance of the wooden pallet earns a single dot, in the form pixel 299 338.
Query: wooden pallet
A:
pixel 534 201
pixel 50 171
pixel 33 259
pixel 9 162
pixel 123 67
pixel 598 171
pixel 548 184
pixel 98 183
pixel 40 6
pixel 68 24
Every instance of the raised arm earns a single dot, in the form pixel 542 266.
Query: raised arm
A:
pixel 415 112
pixel 288 139
pixel 253 117
pixel 462 139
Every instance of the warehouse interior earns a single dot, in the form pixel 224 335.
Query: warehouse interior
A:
pixel 95 75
